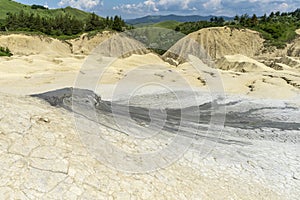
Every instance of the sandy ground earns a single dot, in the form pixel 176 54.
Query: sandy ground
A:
pixel 41 64
pixel 45 158
pixel 40 73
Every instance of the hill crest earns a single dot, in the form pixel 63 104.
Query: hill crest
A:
pixel 171 17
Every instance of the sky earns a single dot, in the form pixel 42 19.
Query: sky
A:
pixel 138 8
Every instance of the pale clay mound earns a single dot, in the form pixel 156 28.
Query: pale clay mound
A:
pixel 51 65
pixel 107 44
pixel 241 63
pixel 20 44
pixel 294 49
pixel 219 42
pixel 85 44
pixel 120 45
pixel 293 62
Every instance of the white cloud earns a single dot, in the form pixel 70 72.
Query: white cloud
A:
pixel 208 7
pixel 193 8
pixel 130 8
pixel 167 3
pixel 212 4
pixel 183 4
pixel 146 6
pixel 152 5
pixel 283 7
pixel 81 4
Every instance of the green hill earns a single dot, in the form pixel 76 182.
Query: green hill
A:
pixel 151 19
pixel 167 24
pixel 170 24
pixel 9 6
pixel 17 17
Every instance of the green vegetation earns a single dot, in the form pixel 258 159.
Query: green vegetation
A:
pixel 5 52
pixel 9 6
pixel 60 23
pixel 152 19
pixel 189 27
pixel 38 7
pixel 156 39
pixel 167 24
pixel 277 29
pixel 170 24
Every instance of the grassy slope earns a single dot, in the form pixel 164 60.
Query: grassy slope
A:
pixel 10 6
pixel 167 24
pixel 14 7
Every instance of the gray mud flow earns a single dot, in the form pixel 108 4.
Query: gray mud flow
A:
pixel 196 117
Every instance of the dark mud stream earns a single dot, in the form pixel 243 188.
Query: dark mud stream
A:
pixel 191 120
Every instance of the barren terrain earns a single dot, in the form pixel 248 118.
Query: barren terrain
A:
pixel 47 146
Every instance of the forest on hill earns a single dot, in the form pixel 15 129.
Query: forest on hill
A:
pixel 60 22
pixel 59 25
pixel 10 6
pixel 277 28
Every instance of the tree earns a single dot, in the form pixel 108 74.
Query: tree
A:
pixel 243 19
pixel 63 24
pixel 237 18
pixel 220 20
pixel 254 20
pixel 264 18
pixel 117 24
pixel 38 7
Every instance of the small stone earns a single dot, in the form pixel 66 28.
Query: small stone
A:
pixel 45 120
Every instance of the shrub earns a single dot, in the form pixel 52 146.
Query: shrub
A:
pixel 4 51
pixel 38 7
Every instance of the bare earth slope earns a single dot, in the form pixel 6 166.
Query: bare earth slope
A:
pixel 243 68
pixel 222 41
pixel 85 44
pixel 241 63
pixel 27 45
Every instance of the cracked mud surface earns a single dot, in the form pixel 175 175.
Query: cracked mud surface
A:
pixel 43 157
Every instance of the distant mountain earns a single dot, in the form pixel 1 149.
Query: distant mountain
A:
pixel 151 19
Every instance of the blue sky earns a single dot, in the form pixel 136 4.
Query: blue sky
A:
pixel 138 8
